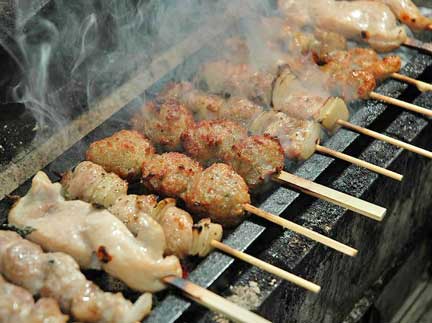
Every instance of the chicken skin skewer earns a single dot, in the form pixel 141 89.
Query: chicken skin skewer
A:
pixel 57 275
pixel 95 238
pixel 150 221
pixel 18 306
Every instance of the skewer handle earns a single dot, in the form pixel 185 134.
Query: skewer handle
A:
pixel 302 230
pixel 213 301
pixel 359 162
pixel 421 86
pixel 390 140
pixel 418 44
pixel 352 203
pixel 267 267
pixel 401 104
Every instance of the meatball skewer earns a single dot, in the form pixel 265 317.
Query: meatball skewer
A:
pixel 182 237
pixel 217 192
pixel 299 138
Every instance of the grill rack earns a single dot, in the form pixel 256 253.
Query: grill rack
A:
pixel 289 250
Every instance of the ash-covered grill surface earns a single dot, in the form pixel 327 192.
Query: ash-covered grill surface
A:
pixel 284 248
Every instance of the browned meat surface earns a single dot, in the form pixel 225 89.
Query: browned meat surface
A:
pixel 123 153
pixel 17 306
pixel 57 275
pixel 220 193
pixel 256 159
pixel 240 110
pixel 363 59
pixel 163 123
pixel 170 174
pixel 208 141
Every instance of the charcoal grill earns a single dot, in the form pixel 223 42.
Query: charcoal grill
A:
pixel 351 287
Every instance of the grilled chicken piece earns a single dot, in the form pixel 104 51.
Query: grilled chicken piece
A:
pixel 17 306
pixel 123 153
pixel 224 77
pixel 298 138
pixel 94 238
pixel 362 59
pixel 408 13
pixel 57 275
pixel 256 159
pixel 207 141
pixel 296 99
pixel 170 174
pixel 220 193
pixel 368 21
pixel 169 229
pixel 163 123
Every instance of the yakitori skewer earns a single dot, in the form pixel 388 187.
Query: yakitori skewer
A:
pixel 76 231
pixel 401 104
pixel 175 230
pixel 177 175
pixel 264 122
pixel 417 44
pixel 241 110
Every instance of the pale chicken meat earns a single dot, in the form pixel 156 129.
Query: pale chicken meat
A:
pixel 368 21
pixel 57 276
pixel 169 229
pixel 18 306
pixel 409 14
pixel 93 237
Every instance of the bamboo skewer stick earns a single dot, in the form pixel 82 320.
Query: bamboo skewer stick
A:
pixel 418 44
pixel 302 230
pixel 390 140
pixel 267 267
pixel 347 201
pixel 213 301
pixel 359 162
pixel 421 86
pixel 401 104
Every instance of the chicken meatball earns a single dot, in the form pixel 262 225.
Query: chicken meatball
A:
pixel 256 159
pixel 170 174
pixel 123 153
pixel 163 123
pixel 219 193
pixel 207 141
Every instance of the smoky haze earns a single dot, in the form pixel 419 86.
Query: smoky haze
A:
pixel 70 53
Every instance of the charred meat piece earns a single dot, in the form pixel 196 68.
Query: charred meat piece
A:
pixel 123 153
pixel 18 306
pixel 208 141
pixel 219 193
pixel 256 159
pixel 91 183
pixel 57 275
pixel 170 174
pixel 80 230
pixel 363 59
pixel 163 123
